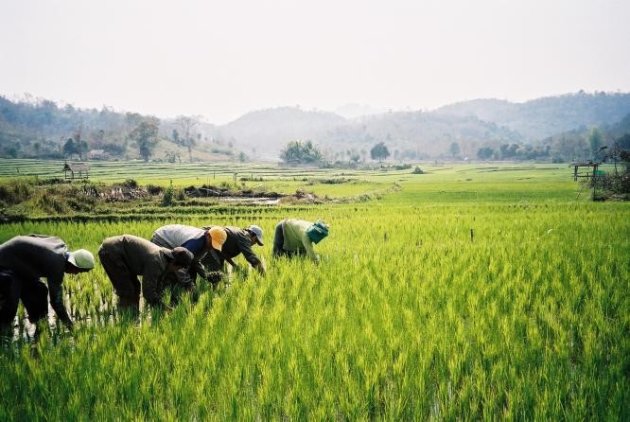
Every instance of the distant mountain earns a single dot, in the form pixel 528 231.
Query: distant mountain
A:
pixel 429 134
pixel 40 129
pixel 575 142
pixel 543 117
pixel 418 134
pixel 620 128
pixel 266 132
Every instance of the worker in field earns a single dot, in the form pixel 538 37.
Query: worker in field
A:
pixel 296 237
pixel 126 257
pixel 238 241
pixel 201 242
pixel 26 259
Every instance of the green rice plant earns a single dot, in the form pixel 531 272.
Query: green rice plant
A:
pixel 501 297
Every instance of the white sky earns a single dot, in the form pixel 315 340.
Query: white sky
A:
pixel 221 59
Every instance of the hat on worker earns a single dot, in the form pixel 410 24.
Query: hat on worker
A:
pixel 181 256
pixel 257 232
pixel 317 231
pixel 217 236
pixel 82 259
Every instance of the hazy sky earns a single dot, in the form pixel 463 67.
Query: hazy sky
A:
pixel 221 59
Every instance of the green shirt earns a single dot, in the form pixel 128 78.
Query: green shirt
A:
pixel 296 239
pixel 142 258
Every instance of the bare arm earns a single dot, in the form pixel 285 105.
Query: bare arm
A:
pixel 308 246
pixel 55 291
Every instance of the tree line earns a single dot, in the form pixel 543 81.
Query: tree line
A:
pixel 43 129
pixel 305 153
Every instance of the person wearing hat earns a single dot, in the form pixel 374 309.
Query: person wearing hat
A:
pixel 238 241
pixel 201 242
pixel 296 237
pixel 126 257
pixel 23 261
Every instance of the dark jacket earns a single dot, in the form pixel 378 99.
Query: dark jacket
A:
pixel 238 241
pixel 34 256
pixel 142 258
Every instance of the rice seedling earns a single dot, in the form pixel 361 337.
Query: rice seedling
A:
pixel 446 299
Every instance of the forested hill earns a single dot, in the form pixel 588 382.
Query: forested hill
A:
pixel 265 132
pixel 544 117
pixel 413 134
pixel 426 134
pixel 43 129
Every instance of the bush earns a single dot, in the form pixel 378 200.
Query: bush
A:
pixel 169 196
pixel 50 203
pixel 130 183
pixel 298 152
pixel 154 190
pixel 417 170
pixel 615 184
pixel 15 191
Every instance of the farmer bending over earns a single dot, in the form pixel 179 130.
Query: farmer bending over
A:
pixel 126 257
pixel 238 241
pixel 201 242
pixel 296 237
pixel 23 260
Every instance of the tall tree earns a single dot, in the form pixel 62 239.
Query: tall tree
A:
pixel 298 152
pixel 379 152
pixel 485 153
pixel 187 137
pixel 81 148
pixel 69 148
pixel 145 136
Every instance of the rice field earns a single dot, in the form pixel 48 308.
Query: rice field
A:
pixel 470 292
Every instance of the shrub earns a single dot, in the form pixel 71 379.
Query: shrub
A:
pixel 16 191
pixel 154 190
pixel 130 183
pixel 50 203
pixel 168 197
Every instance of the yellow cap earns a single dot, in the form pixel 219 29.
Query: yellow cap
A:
pixel 217 236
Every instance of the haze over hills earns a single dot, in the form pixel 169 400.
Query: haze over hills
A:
pixel 543 117
pixel 429 134
pixel 29 129
pixel 419 134
pixel 265 132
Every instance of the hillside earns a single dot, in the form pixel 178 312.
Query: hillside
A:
pixel 40 129
pixel 265 132
pixel 428 134
pixel 415 135
pixel 543 117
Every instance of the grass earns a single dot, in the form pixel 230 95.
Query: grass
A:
pixel 406 317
